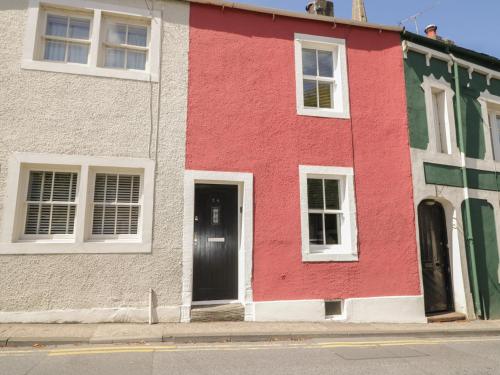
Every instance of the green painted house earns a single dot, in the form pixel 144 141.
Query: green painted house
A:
pixel 453 97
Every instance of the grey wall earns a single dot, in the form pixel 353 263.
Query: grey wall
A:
pixel 81 115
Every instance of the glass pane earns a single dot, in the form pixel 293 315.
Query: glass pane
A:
pixel 56 25
pixel 43 226
pixel 315 193
pixel 111 187
pixel 97 219
pixel 123 219
pixel 31 219
pixel 60 216
pixel 55 51
pixel 125 189
pixel 137 36
pixel 78 53
pixel 332 195
pixel 47 186
pixel 325 94
pixel 309 62
pixel 79 29
pixel 332 229
pixel 115 58
pixel 134 219
pixel 316 229
pixel 310 96
pixel 62 187
pixel 136 60
pixel 109 220
pixel 117 34
pixel 35 186
pixel 325 64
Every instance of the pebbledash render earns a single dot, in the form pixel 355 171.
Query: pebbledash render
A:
pixel 158 156
pixel 79 128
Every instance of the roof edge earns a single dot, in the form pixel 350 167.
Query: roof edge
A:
pixel 306 16
pixel 444 46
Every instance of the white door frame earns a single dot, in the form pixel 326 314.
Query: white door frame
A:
pixel 244 181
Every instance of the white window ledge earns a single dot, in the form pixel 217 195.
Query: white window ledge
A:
pixel 26 248
pixel 327 257
pixel 49 66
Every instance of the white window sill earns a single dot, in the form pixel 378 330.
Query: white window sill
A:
pixel 328 113
pixel 58 247
pixel 50 66
pixel 329 257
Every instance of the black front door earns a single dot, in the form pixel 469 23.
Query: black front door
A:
pixel 215 268
pixel 435 260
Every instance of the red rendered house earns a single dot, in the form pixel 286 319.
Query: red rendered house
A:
pixel 298 190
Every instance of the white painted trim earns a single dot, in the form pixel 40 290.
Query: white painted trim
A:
pixel 347 251
pixel 244 181
pixel 490 103
pixel 9 239
pixel 430 83
pixel 471 67
pixel 162 314
pixel 341 104
pixel 394 309
pixel 92 68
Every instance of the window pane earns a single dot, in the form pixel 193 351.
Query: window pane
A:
pixel 332 195
pixel 78 53
pixel 315 193
pixel 325 64
pixel 44 223
pixel 55 51
pixel 498 129
pixel 97 223
pixel 332 229
pixel 123 219
pixel 60 217
pixel 56 25
pixel 111 187
pixel 64 185
pixel 137 36
pixel 32 219
pixel 316 229
pixel 325 94
pixel 35 186
pixel 309 62
pixel 79 29
pixel 109 220
pixel 310 95
pixel 117 34
pixel 115 58
pixel 47 186
pixel 136 60
pixel 134 219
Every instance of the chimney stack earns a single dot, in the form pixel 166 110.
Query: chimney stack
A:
pixel 320 7
pixel 359 11
pixel 431 31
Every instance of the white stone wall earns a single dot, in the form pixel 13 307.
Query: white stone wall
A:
pixel 83 115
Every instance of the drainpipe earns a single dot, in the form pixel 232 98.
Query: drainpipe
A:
pixel 467 219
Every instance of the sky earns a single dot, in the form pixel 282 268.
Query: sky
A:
pixel 473 24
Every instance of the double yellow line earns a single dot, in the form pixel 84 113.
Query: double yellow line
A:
pixel 96 350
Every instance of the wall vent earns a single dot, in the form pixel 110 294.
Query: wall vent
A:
pixel 334 309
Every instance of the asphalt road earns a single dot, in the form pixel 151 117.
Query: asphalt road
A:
pixel 385 356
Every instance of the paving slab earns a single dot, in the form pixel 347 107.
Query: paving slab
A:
pixel 124 333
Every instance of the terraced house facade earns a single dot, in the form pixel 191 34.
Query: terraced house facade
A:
pixel 454 124
pixel 162 160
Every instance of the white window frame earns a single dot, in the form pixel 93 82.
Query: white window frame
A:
pixel 347 249
pixel 13 242
pixel 495 134
pixel 24 186
pixel 337 46
pixel 89 218
pixel 490 108
pixel 431 85
pixel 98 12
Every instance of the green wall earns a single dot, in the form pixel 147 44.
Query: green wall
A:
pixel 415 70
pixel 448 175
pixel 486 255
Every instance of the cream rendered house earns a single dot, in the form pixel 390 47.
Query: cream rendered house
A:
pixel 92 132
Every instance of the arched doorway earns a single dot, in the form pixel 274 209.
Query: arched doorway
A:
pixel 434 253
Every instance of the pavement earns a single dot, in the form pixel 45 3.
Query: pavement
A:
pixel 349 356
pixel 18 335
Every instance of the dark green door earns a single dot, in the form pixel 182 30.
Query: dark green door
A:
pixel 487 259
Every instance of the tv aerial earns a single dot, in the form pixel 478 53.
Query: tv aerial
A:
pixel 414 18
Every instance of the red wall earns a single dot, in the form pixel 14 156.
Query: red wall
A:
pixel 242 117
